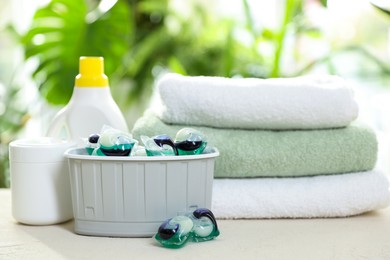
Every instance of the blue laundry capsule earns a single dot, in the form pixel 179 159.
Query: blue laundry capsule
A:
pixel 198 226
pixel 189 141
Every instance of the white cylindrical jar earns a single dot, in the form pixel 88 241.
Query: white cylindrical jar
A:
pixel 40 184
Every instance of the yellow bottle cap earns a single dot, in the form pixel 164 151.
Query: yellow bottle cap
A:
pixel 91 73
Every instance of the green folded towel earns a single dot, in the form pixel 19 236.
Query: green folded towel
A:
pixel 265 153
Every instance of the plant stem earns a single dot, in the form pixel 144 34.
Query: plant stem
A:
pixel 279 43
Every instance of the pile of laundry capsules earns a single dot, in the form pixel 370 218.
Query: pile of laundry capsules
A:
pixel 113 142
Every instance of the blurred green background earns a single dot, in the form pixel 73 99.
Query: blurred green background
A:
pixel 140 39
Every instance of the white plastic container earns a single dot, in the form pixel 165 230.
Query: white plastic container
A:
pixel 90 107
pixel 132 196
pixel 40 183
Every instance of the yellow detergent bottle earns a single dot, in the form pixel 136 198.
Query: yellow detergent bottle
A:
pixel 90 107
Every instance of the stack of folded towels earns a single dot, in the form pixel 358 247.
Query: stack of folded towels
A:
pixel 289 147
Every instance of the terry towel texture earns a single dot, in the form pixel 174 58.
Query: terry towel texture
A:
pixel 282 103
pixel 288 147
pixel 246 153
pixel 305 197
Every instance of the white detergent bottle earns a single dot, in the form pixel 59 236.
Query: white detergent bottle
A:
pixel 90 107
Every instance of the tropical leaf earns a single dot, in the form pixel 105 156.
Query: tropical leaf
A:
pixel 176 66
pixel 324 3
pixel 60 34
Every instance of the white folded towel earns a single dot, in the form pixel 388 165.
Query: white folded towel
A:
pixel 304 197
pixel 280 103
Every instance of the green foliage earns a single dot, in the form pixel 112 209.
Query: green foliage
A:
pixel 381 6
pixel 63 31
pixel 135 37
pixel 13 116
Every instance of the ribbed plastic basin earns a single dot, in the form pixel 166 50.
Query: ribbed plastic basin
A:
pixel 132 196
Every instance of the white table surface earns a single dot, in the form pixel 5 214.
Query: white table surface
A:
pixel 361 237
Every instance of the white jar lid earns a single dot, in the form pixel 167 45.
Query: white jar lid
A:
pixel 38 150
